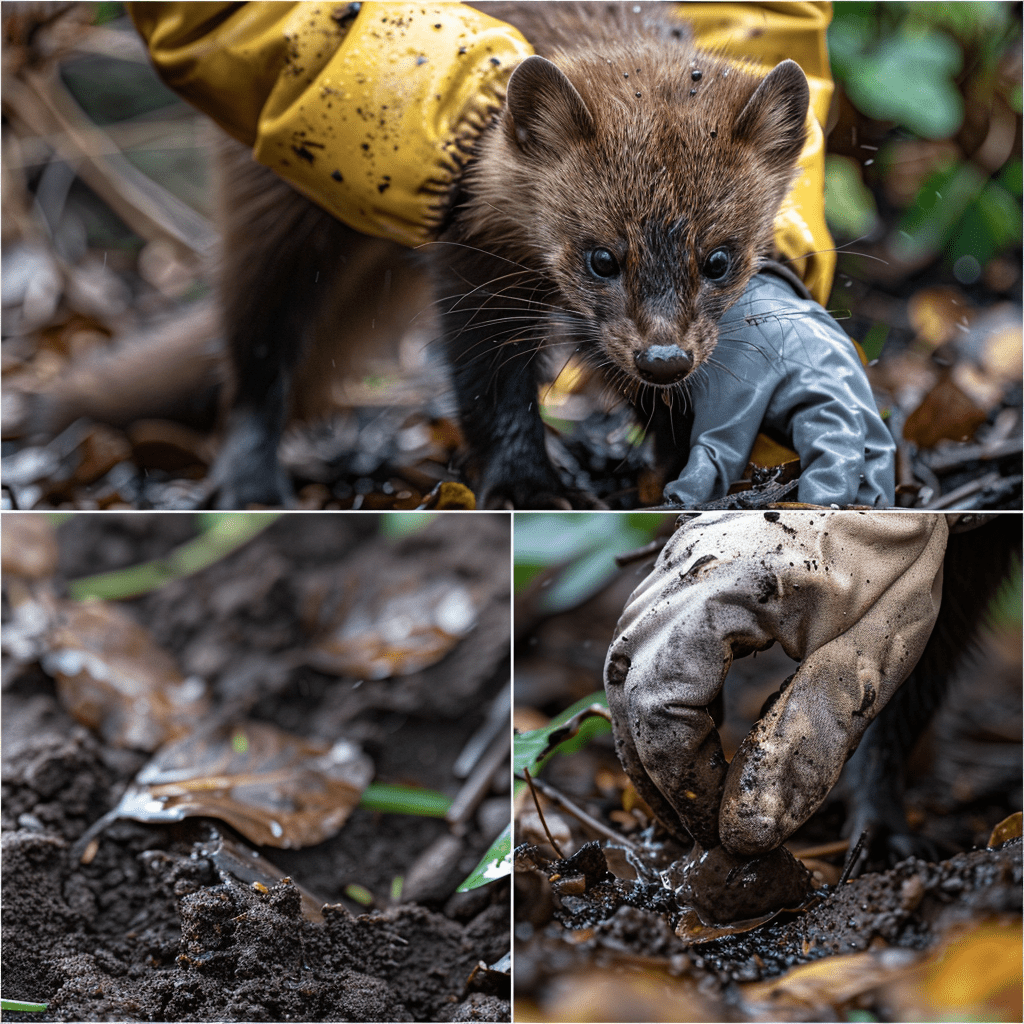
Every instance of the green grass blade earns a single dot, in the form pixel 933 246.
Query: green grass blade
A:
pixel 17 1006
pixel 222 533
pixel 427 803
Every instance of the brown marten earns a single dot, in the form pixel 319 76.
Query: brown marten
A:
pixel 620 203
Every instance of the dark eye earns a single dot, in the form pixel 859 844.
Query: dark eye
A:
pixel 601 263
pixel 717 265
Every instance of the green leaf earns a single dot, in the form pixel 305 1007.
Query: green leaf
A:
pixel 383 796
pixel 17 1006
pixel 909 79
pixel 531 749
pixel 582 546
pixel 989 225
pixel 874 340
pixel 359 894
pixel 496 863
pixel 944 197
pixel 849 205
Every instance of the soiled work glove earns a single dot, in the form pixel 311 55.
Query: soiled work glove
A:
pixel 852 596
pixel 784 363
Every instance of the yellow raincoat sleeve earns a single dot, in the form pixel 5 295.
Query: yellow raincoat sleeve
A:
pixel 368 109
pixel 371 109
pixel 765 34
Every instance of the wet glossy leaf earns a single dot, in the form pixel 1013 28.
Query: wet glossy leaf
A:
pixel 828 982
pixel 112 677
pixel 394 628
pixel 275 788
pixel 1009 828
pixel 496 863
pixel 565 733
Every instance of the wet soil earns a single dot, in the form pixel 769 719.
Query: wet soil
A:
pixel 152 928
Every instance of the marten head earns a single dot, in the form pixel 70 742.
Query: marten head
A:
pixel 643 183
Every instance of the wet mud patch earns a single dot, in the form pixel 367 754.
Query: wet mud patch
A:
pixel 603 921
pixel 154 925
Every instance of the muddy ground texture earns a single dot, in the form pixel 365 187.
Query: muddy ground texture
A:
pixel 595 942
pixel 150 929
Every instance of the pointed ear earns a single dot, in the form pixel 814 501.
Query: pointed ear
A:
pixel 773 119
pixel 543 109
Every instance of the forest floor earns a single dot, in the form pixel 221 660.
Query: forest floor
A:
pixel 172 921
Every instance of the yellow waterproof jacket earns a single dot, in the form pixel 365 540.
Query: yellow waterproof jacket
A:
pixel 371 109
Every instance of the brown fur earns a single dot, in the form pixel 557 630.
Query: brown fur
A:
pixel 371 297
pixel 614 144
pixel 658 157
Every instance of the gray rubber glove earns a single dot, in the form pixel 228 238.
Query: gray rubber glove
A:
pixel 783 362
pixel 853 596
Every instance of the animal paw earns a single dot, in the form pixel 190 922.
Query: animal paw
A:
pixel 247 472
pixel 537 495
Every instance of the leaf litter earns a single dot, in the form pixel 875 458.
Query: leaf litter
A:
pixel 275 787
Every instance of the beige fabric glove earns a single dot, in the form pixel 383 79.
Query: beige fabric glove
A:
pixel 853 596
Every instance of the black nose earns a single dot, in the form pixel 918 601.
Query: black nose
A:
pixel 663 364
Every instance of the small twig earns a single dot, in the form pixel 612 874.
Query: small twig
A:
pixel 592 823
pixel 853 860
pixel 476 746
pixel 540 813
pixel 41 103
pixel 822 850
pixel 479 781
pixel 958 495
pixel 639 554
pixel 946 461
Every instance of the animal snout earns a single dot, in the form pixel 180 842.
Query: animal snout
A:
pixel 663 364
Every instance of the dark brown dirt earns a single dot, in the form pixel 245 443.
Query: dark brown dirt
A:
pixel 150 929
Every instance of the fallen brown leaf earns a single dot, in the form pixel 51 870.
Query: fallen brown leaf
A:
pixel 112 677
pixel 275 788
pixel 377 630
pixel 29 547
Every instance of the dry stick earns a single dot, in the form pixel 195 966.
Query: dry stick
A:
pixel 45 107
pixel 479 781
pixel 947 461
pixel 852 860
pixel 540 813
pixel 639 554
pixel 963 492
pixel 592 823
pixel 823 850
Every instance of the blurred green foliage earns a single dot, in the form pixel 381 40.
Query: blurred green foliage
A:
pixel 849 205
pixel 577 549
pixel 220 533
pixel 918 66
pixel 898 61
pixel 1007 611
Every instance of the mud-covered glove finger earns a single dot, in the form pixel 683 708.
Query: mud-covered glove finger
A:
pixel 794 754
pixel 673 647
